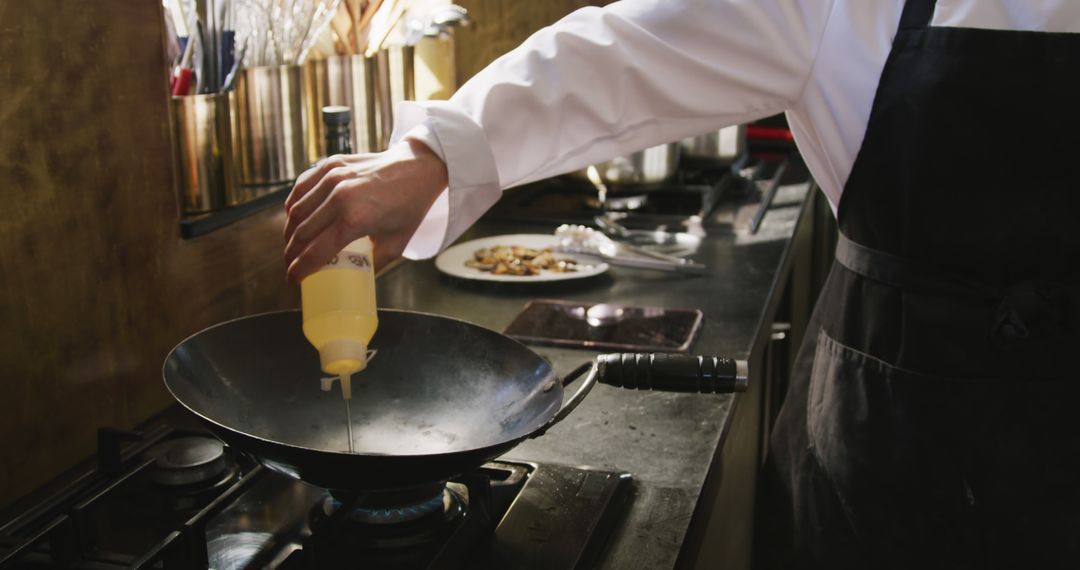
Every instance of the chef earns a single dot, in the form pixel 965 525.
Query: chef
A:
pixel 928 422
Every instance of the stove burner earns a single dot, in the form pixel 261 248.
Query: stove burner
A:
pixel 393 507
pixel 187 461
pixel 371 524
pixel 393 515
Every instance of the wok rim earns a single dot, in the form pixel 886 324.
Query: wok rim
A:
pixel 345 454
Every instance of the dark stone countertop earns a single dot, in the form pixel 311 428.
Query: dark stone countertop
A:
pixel 665 440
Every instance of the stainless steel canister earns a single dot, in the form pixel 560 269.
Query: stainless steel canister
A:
pixel 640 170
pixel 394 83
pixel 435 69
pixel 721 147
pixel 202 148
pixel 433 35
pixel 349 81
pixel 269 131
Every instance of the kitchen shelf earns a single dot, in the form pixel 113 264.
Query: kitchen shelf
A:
pixel 201 224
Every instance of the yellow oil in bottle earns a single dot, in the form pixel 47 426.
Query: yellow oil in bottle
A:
pixel 339 312
pixel 340 316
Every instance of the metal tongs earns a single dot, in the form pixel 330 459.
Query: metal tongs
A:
pixel 582 240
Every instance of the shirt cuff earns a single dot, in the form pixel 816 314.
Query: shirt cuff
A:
pixel 473 178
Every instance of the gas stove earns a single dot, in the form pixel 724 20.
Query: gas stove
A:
pixel 170 495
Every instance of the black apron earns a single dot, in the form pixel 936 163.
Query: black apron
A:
pixel 932 419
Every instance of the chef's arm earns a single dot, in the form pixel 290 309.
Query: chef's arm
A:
pixel 598 83
pixel 607 81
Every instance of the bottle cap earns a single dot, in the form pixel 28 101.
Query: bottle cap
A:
pixel 343 356
pixel 336 115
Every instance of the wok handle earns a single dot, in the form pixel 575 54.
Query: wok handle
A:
pixel 673 372
pixel 582 391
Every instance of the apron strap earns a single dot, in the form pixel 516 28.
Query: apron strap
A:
pixel 1023 310
pixel 907 274
pixel 917 14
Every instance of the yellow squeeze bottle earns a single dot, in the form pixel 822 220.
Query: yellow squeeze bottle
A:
pixel 338 303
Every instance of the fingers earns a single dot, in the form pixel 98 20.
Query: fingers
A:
pixel 307 180
pixel 304 206
pixel 383 195
pixel 320 250
pixel 387 250
pixel 304 182
pixel 325 215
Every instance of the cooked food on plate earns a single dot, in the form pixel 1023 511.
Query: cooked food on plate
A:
pixel 519 260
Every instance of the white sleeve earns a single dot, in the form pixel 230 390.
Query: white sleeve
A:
pixel 608 81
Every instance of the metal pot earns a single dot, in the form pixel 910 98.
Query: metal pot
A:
pixel 347 80
pixel 721 147
pixel 268 125
pixel 638 171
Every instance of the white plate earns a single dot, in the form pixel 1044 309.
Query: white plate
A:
pixel 452 261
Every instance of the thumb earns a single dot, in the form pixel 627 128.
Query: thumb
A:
pixel 387 250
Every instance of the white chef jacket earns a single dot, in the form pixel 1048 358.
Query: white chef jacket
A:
pixel 608 81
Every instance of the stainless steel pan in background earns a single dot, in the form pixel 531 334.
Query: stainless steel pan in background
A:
pixel 649 169
pixel 716 148
pixel 643 170
pixel 440 397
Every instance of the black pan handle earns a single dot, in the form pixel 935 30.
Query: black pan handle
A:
pixel 673 372
pixel 582 391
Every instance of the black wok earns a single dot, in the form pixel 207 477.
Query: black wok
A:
pixel 440 397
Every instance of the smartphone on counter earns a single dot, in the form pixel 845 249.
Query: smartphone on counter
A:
pixel 606 326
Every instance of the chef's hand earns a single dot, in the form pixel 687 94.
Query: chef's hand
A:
pixel 384 196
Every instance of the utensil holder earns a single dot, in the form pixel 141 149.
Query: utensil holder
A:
pixel 347 80
pixel 268 124
pixel 203 152
pixel 394 83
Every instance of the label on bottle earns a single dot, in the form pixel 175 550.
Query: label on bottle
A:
pixel 351 260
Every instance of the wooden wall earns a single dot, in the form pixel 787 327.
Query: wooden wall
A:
pixel 500 25
pixel 97 284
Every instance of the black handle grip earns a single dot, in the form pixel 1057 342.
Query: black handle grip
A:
pixel 672 372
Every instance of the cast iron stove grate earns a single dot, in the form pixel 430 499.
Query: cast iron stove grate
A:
pixel 122 511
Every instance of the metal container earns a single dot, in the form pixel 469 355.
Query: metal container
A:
pixel 720 147
pixel 349 81
pixel 642 170
pixel 202 147
pixel 432 34
pixel 268 122
pixel 394 83
pixel 435 72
